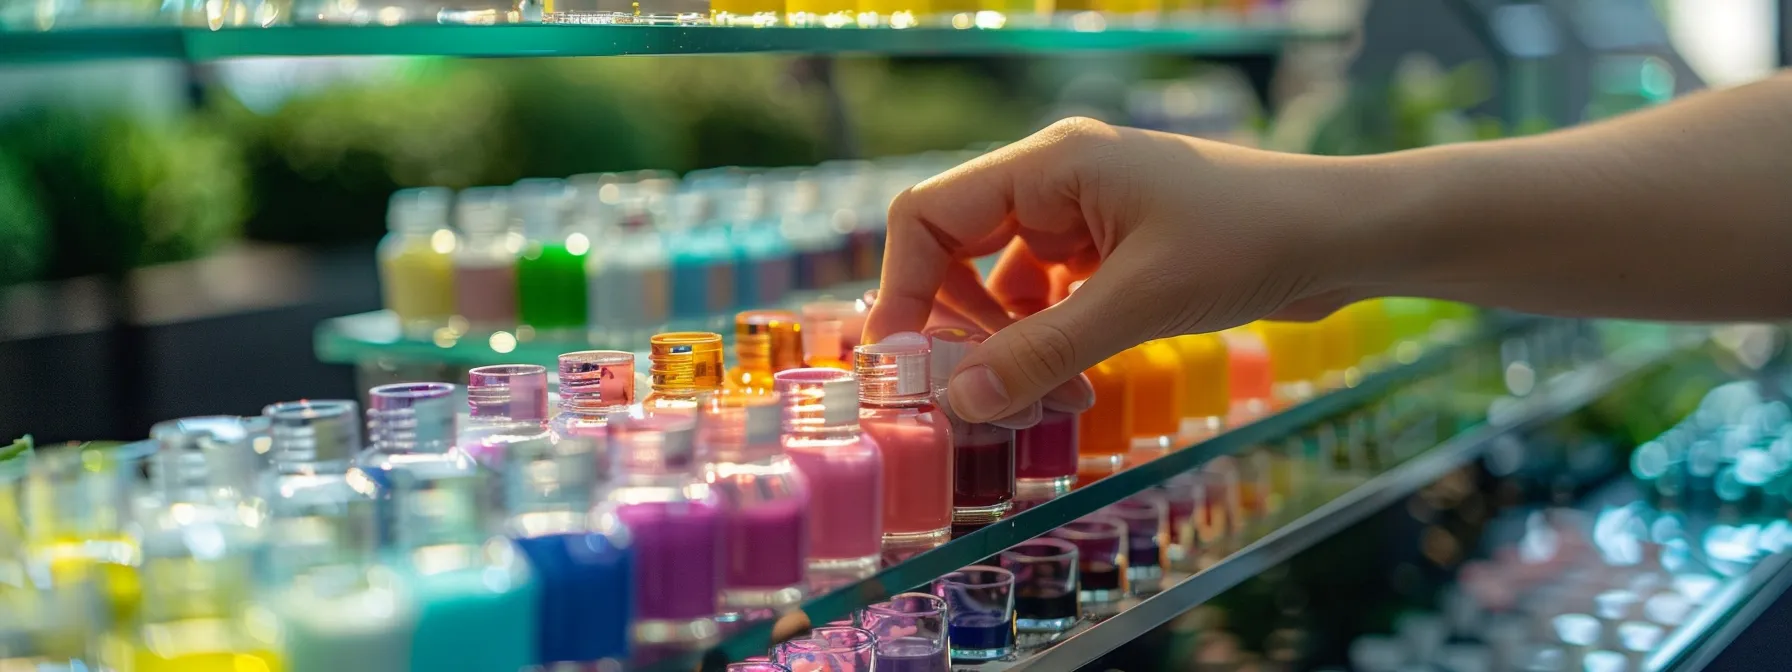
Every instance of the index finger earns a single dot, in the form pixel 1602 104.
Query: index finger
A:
pixel 968 211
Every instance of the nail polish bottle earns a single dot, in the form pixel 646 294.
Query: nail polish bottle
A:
pixel 702 258
pixel 830 331
pixel 508 404
pixel 983 453
pixel 338 610
pixel 477 598
pixel 485 260
pixel 550 268
pixel 1374 333
pixel 416 266
pixel 1249 375
pixel 1338 350
pixel 764 263
pixel 897 410
pixel 594 384
pixel 1154 371
pixel 410 425
pixel 842 465
pixel 1105 437
pixel 675 521
pixel 630 288
pixel 685 365
pixel 1045 456
pixel 765 342
pixel 584 565
pixel 1206 386
pixel 194 594
pixel 64 518
pixel 765 521
pixel 1294 357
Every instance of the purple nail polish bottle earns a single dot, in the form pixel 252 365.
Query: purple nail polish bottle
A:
pixel 675 519
pixel 765 525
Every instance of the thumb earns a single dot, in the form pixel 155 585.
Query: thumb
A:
pixel 1043 356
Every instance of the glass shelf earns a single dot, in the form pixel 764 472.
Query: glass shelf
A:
pixel 625 40
pixel 1330 504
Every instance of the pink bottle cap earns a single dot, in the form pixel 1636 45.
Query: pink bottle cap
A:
pixel 950 346
pixel 817 397
pixel 895 370
pixel 597 381
pixel 662 443
pixel 513 391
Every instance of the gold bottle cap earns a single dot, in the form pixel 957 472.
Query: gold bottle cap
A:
pixel 685 361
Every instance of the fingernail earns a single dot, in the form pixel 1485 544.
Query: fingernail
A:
pixel 977 394
pixel 1026 417
pixel 1073 396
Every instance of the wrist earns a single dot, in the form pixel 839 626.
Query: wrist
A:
pixel 1383 223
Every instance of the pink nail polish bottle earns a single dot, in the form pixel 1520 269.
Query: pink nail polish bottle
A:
pixel 897 411
pixel 842 466
pixel 983 453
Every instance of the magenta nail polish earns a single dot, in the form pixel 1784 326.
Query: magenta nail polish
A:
pixel 983 489
pixel 765 526
pixel 842 466
pixel 1045 454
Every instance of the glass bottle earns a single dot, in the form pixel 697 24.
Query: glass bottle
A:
pixel 477 598
pixel 764 263
pixel 1249 375
pixel 1154 371
pixel 831 330
pixel 684 366
pixel 1338 350
pixel 410 425
pixel 201 542
pixel 74 545
pixel 337 609
pixel 550 271
pixel 842 465
pixel 416 267
pixel 1294 358
pixel 630 274
pixel 983 491
pixel 765 342
pixel 1105 436
pixel 509 404
pixel 702 258
pixel 896 397
pixel 765 525
pixel 746 13
pixel 1206 385
pixel 594 384
pixel 822 259
pixel 1045 456
pixel 583 564
pixel 675 521
pixel 485 260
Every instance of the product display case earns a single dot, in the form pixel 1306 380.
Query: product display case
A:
pixel 1492 492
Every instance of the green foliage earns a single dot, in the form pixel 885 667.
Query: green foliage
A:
pixel 907 111
pixel 24 226
pixel 124 192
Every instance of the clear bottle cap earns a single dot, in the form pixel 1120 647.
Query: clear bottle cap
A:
pixel 438 505
pixel 685 362
pixel 482 211
pixel 411 417
pixel 597 382
pixel 541 474
pixel 508 392
pixel 894 371
pixel 207 452
pixel 419 210
pixel 818 398
pixel 950 346
pixel 539 206
pixel 768 340
pixel 310 431
pixel 738 425
pixel 662 443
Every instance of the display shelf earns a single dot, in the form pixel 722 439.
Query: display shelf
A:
pixel 1235 39
pixel 838 598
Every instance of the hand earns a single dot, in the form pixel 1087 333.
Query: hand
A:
pixel 1174 235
